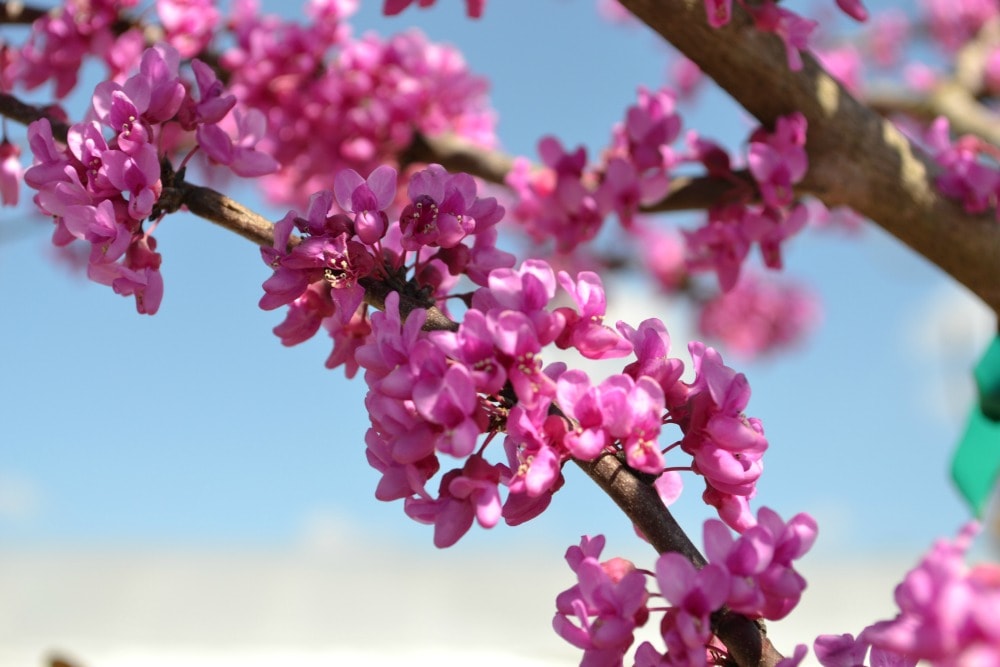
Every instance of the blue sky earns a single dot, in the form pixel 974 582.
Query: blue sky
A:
pixel 196 426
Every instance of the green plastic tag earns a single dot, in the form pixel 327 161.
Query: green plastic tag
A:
pixel 976 465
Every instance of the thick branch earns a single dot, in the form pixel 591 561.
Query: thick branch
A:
pixel 857 158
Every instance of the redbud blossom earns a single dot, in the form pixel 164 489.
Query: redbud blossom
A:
pixel 10 173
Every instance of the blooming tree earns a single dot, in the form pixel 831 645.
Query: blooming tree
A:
pixel 399 205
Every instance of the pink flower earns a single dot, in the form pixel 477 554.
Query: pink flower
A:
pixel 719 12
pixel 586 330
pixel 633 413
pixel 212 104
pixel 10 172
pixel 474 8
pixel 758 316
pixel 240 154
pixel 581 401
pixel 466 494
pixel 947 611
pixel 607 604
pixel 793 30
pixel 778 160
pixel 444 209
pixel 651 344
pixel 188 24
pixel 853 8
pixel 367 199
pixel 763 582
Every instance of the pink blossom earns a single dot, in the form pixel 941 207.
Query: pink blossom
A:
pixel 10 172
pixel 444 209
pixel 853 8
pixel 720 245
pixel 601 612
pixel 778 160
pixel 241 154
pixel 368 199
pixel 719 12
pixel 212 103
pixel 947 610
pixel 474 8
pixel 663 256
pixel 759 316
pixel 651 344
pixel 793 30
pixel 581 402
pixel 188 24
pixel 953 22
pixel 466 495
pixel 305 315
pixel 586 330
pixel 763 582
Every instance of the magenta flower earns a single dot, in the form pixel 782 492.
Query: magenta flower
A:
pixel 10 172
pixel 651 344
pixel 367 199
pixel 468 494
pixel 240 154
pixel 633 413
pixel 793 30
pixel 947 611
pixel 212 104
pixel 607 604
pixel 764 583
pixel 472 345
pixel 474 8
pixel 719 12
pixel 138 175
pixel 720 245
pixel 759 316
pixel 585 330
pixel 304 317
pixel 778 161
pixel 444 209
pixel 189 24
pixel 853 8
pixel 581 401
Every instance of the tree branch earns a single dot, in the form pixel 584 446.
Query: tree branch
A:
pixel 18 13
pixel 856 157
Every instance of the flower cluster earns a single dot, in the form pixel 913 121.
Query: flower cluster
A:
pixel 107 180
pixel 61 40
pixel 947 616
pixel 759 316
pixel 753 575
pixel 333 102
pixel 608 604
pixel 777 161
pixel 970 172
pixel 568 201
pixel 443 389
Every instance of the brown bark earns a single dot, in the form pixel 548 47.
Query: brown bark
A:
pixel 856 157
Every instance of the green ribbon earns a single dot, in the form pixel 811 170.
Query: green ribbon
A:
pixel 976 465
